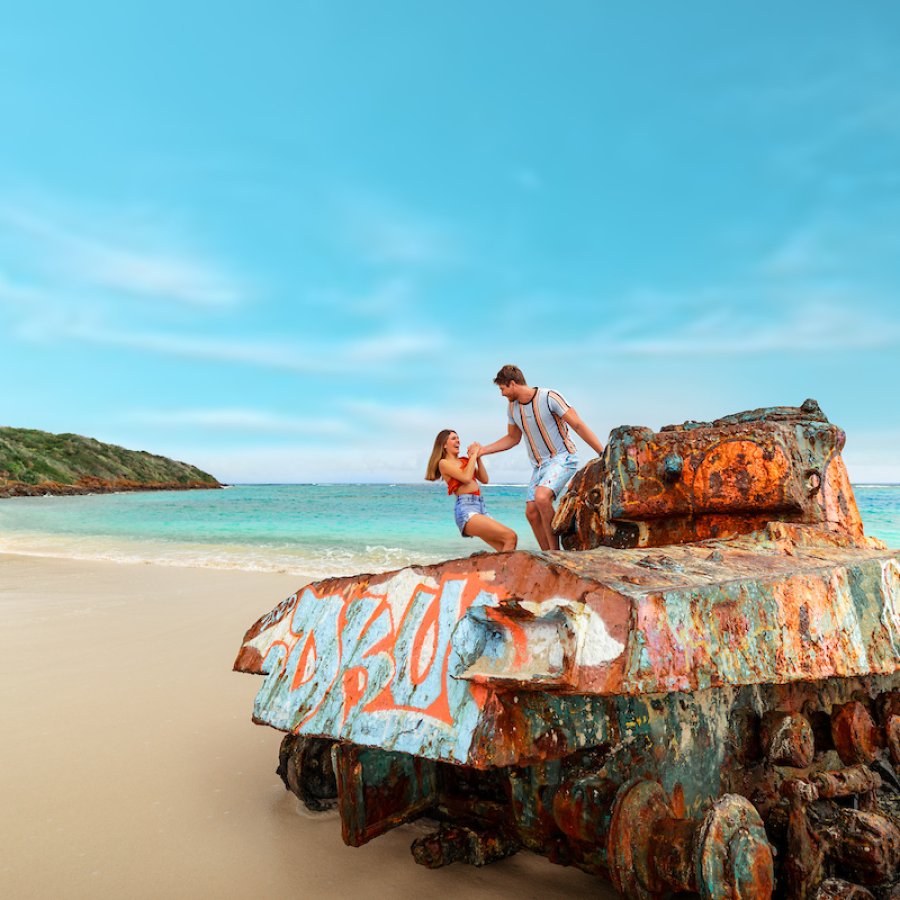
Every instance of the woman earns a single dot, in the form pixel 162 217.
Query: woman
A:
pixel 462 475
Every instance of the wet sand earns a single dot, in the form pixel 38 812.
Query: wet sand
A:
pixel 130 766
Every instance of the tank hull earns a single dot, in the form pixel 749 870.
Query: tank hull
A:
pixel 682 695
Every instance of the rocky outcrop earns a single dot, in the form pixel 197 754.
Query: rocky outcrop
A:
pixel 95 486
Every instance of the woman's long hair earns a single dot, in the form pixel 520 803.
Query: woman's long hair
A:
pixel 437 454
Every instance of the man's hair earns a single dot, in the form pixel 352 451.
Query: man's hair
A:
pixel 509 375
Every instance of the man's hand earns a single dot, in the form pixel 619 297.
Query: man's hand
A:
pixel 473 449
pixel 510 439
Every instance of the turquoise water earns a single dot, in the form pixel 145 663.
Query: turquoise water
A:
pixel 308 529
pixel 312 529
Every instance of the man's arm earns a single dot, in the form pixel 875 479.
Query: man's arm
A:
pixel 508 441
pixel 580 428
pixel 480 471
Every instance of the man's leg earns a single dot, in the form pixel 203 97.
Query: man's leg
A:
pixel 543 501
pixel 537 524
pixel 532 513
pixel 551 481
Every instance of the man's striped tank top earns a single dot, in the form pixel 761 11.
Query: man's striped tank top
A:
pixel 541 424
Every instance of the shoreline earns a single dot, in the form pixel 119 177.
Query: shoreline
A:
pixel 131 766
pixel 312 563
pixel 13 489
pixel 170 563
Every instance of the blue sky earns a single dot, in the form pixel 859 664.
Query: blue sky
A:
pixel 289 242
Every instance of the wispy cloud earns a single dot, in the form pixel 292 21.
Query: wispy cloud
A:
pixel 14 293
pixel 387 298
pixel 40 315
pixel 869 119
pixel 816 289
pixel 415 426
pixel 802 252
pixel 390 417
pixel 833 245
pixel 395 346
pixel 808 327
pixel 180 279
pixel 66 285
pixel 295 356
pixel 303 463
pixel 388 234
pixel 64 252
pixel 252 421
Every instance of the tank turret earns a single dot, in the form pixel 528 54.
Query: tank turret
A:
pixel 702 480
pixel 703 699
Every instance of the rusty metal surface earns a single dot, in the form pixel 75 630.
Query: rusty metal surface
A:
pixel 639 814
pixel 776 607
pixel 788 739
pixel 734 857
pixel 855 736
pixel 378 791
pixel 838 889
pixel 423 661
pixel 306 769
pixel 718 716
pixel 711 479
pixel 455 843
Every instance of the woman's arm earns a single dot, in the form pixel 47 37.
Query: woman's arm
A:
pixel 452 469
pixel 474 450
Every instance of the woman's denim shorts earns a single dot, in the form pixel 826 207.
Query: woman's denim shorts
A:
pixel 468 505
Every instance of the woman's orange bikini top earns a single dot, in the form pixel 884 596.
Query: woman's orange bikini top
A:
pixel 453 485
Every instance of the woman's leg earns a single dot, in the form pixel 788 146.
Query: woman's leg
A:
pixel 491 532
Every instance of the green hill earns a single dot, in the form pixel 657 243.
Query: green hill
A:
pixel 39 462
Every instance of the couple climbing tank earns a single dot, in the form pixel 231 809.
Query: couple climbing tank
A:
pixel 700 694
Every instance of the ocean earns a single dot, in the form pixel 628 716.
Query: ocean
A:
pixel 305 529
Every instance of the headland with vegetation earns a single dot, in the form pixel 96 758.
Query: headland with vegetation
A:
pixel 35 463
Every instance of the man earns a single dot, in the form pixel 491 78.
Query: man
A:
pixel 544 417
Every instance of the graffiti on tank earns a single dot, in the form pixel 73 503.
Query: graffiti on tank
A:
pixel 370 655
pixel 277 614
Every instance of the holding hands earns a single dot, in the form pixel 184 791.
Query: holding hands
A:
pixel 473 449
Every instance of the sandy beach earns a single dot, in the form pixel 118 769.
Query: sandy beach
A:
pixel 131 767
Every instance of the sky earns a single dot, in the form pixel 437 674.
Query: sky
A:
pixel 289 242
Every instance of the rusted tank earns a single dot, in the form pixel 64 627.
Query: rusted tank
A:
pixel 700 695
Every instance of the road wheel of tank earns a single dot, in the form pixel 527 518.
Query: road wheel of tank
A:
pixel 638 809
pixel 734 857
pixel 305 767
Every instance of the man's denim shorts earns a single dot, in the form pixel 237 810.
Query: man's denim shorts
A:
pixel 468 505
pixel 555 473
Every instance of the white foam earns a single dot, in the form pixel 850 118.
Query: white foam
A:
pixel 316 563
